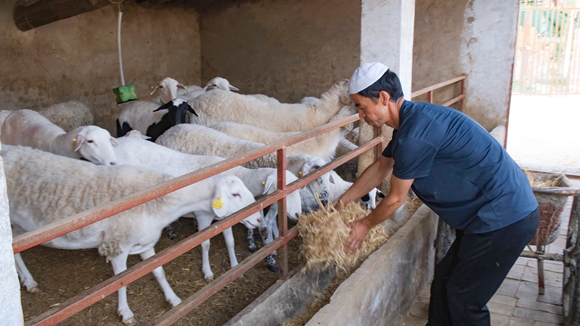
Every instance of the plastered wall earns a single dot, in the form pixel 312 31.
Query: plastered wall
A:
pixel 472 37
pixel 286 49
pixel 76 58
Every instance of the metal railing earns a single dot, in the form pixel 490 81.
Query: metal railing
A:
pixel 429 91
pixel 99 291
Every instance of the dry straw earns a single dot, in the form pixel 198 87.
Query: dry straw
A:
pixel 547 183
pixel 326 232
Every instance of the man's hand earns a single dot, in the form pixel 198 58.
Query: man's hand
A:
pixel 358 232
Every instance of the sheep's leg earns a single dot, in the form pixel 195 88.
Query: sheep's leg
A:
pixel 159 274
pixel 171 233
pixel 202 223
pixel 266 234
pixel 229 236
pixel 120 265
pixel 25 276
pixel 252 247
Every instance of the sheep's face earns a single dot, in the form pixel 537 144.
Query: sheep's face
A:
pixel 320 185
pixel 96 145
pixel 371 199
pixel 293 200
pixel 168 88
pixel 220 83
pixel 230 196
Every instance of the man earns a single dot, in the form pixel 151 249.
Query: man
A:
pixel 464 175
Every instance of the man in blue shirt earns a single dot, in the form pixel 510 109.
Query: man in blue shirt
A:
pixel 464 175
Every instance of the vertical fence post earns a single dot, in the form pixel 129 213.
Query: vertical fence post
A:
pixel 463 93
pixel 282 219
pixel 430 97
pixel 571 282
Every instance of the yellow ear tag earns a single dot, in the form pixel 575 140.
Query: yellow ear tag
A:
pixel 300 173
pixel 263 182
pixel 217 203
pixel 345 126
pixel 74 143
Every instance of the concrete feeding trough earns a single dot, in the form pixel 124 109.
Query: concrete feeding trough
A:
pixel 379 292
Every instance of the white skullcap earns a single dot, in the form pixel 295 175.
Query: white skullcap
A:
pixel 366 75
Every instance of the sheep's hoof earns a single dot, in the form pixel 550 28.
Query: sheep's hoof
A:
pixel 34 290
pixel 173 236
pixel 272 264
pixel 132 321
pixel 209 279
pixel 174 301
pixel 252 247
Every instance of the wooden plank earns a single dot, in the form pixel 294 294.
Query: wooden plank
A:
pixel 29 14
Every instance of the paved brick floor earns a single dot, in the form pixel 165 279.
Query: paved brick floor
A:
pixel 517 302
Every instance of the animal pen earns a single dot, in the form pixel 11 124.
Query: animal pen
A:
pixel 92 295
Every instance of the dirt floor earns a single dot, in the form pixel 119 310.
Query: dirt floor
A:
pixel 62 274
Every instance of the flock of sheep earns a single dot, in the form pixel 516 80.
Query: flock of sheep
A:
pixel 58 164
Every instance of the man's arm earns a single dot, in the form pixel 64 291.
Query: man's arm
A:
pixel 394 200
pixel 371 178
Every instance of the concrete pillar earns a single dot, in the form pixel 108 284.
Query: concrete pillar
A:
pixel 11 309
pixel 387 29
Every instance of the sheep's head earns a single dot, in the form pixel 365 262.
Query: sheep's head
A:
pixel 293 200
pixel 220 83
pixel 230 196
pixel 168 87
pixel 96 145
pixel 136 134
pixel 371 199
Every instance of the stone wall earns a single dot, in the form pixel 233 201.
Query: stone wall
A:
pixel 77 59
pixel 472 37
pixel 285 49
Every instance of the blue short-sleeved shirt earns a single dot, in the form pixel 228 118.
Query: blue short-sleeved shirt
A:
pixel 461 172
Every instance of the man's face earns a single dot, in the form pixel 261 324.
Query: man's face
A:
pixel 375 114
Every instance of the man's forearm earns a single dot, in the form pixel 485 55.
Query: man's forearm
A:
pixel 370 179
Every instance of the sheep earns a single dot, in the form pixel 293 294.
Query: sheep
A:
pixel 3 115
pixel 135 151
pixel 68 115
pixel 29 128
pixel 45 188
pixel 192 91
pixel 340 186
pixel 323 146
pixel 169 89
pixel 153 123
pixel 201 140
pixel 219 106
pixel 499 134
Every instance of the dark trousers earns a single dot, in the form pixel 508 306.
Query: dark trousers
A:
pixel 472 271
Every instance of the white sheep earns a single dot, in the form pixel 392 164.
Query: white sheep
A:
pixel 169 88
pixel 338 186
pixel 29 128
pixel 192 91
pixel 201 140
pixel 44 188
pixel 219 106
pixel 499 134
pixel 323 146
pixel 138 152
pixel 68 115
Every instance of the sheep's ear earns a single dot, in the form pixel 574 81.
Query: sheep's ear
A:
pixel 219 205
pixel 345 99
pixel 153 91
pixel 181 86
pixel 380 194
pixel 191 110
pixel 234 88
pixel 270 181
pixel 80 140
pixel 164 106
pixel 114 142
pixel 330 178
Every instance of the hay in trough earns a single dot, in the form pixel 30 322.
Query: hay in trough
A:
pixel 326 232
pixel 547 183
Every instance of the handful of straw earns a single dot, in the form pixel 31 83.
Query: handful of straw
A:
pixel 548 183
pixel 326 232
